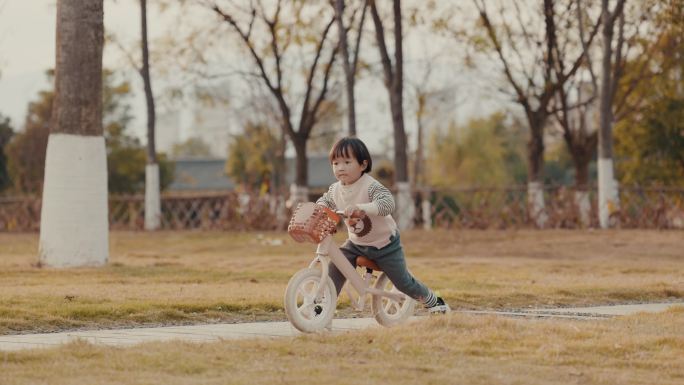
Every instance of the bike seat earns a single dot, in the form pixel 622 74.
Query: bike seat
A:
pixel 367 263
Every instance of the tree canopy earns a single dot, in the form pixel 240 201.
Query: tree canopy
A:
pixel 649 140
pixel 482 153
pixel 125 153
pixel 193 147
pixel 251 157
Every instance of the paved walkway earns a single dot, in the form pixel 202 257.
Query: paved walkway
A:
pixel 216 332
pixel 586 312
pixel 194 333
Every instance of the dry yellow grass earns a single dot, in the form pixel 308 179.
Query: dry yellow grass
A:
pixel 193 277
pixel 453 349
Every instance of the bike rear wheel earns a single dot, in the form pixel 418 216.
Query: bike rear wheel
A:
pixel 306 312
pixel 387 311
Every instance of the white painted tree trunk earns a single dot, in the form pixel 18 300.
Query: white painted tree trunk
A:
pixel 404 210
pixel 427 214
pixel 609 200
pixel 535 201
pixel 298 194
pixel 152 197
pixel 243 203
pixel 278 208
pixel 584 206
pixel 74 221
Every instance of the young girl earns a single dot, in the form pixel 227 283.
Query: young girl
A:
pixel 372 231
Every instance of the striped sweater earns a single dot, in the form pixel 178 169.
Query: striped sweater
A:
pixel 372 197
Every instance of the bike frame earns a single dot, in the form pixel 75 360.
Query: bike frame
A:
pixel 327 252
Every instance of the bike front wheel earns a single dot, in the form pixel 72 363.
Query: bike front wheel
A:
pixel 304 310
pixel 387 311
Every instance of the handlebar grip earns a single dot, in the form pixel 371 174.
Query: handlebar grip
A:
pixel 342 215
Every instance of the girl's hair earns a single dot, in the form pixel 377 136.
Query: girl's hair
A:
pixel 351 147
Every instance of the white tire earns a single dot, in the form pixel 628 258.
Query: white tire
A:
pixel 387 311
pixel 307 313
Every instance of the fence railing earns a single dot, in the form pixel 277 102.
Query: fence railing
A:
pixel 500 208
pixel 19 213
pixel 476 208
pixel 223 211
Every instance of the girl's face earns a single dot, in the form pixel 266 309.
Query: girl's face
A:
pixel 347 169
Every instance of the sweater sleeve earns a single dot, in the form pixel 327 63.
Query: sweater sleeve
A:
pixel 327 198
pixel 382 197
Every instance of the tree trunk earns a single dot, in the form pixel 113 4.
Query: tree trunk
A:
pixel 77 107
pixel 149 96
pixel 397 99
pixel 583 204
pixel 279 165
pixel 581 161
pixel 299 191
pixel 421 191
pixel 348 71
pixel 418 166
pixel 152 193
pixel 394 82
pixel 535 167
pixel 535 148
pixel 404 210
pixel 278 189
pixel 302 174
pixel 581 171
pixel 74 214
pixel 311 103
pixel 605 148
pixel 152 197
pixel 400 156
pixel 607 185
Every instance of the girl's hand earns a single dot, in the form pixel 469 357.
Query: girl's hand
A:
pixel 354 212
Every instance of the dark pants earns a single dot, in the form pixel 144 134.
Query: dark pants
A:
pixel 391 260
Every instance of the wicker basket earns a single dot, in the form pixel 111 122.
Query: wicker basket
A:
pixel 311 223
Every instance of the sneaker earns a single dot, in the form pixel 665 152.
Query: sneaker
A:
pixel 440 307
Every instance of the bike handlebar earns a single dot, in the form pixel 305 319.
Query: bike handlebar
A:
pixel 344 216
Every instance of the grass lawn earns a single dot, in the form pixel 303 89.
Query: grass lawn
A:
pixel 452 349
pixel 200 277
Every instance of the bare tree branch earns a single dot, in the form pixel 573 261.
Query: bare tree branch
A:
pixel 276 90
pixel 380 37
pixel 324 89
pixel 521 97
pixel 312 73
pixel 357 47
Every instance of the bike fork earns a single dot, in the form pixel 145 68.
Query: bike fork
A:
pixel 324 261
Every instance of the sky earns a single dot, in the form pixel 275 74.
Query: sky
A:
pixel 27 47
pixel 27 50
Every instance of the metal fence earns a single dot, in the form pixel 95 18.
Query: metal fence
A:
pixel 222 211
pixel 474 208
pixel 19 213
pixel 501 208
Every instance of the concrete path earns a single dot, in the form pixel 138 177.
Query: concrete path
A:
pixel 217 332
pixel 194 333
pixel 586 312
pixel 615 310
